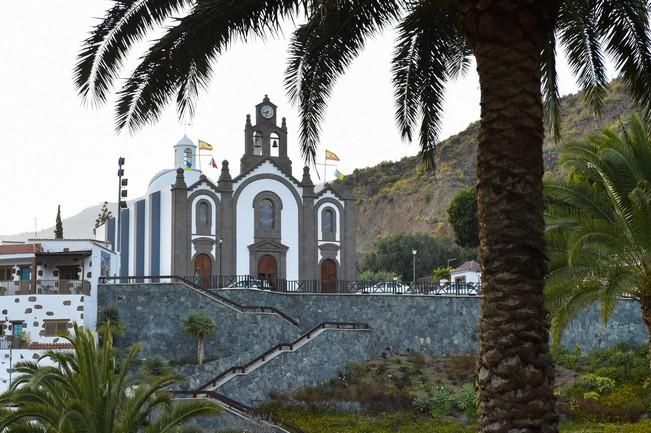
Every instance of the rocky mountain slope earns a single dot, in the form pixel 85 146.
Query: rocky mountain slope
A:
pixel 402 196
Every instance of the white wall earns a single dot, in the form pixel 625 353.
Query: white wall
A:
pixel 245 224
pixel 17 356
pixel 471 277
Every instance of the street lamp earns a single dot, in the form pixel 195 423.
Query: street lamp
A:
pixel 221 241
pixel 122 204
pixel 451 260
pixel 413 280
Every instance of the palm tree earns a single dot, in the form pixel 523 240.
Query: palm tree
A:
pixel 200 326
pixel 514 43
pixel 599 226
pixel 89 390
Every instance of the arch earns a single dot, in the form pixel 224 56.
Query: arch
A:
pixel 328 223
pixel 267 268
pixel 267 208
pixel 203 217
pixel 266 214
pixel 328 276
pixel 257 143
pixel 203 270
pixel 274 143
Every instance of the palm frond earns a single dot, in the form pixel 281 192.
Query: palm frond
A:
pixel 322 49
pixel 103 53
pixel 550 91
pixel 578 33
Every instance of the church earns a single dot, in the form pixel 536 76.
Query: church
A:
pixel 264 222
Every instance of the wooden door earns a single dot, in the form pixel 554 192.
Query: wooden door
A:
pixel 328 276
pixel 203 270
pixel 267 268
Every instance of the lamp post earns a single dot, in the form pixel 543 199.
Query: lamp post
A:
pixel 450 261
pixel 122 193
pixel 11 346
pixel 221 242
pixel 413 280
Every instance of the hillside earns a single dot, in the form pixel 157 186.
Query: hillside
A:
pixel 403 197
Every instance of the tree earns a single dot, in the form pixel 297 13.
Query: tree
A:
pixel 514 43
pixel 103 216
pixel 599 226
pixel 200 326
pixel 89 390
pixel 58 227
pixel 393 254
pixel 108 320
pixel 462 215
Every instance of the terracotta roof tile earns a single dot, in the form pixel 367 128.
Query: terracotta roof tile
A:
pixel 20 248
pixel 471 265
pixel 46 346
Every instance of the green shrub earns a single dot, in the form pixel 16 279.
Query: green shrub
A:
pixel 442 402
pixel 423 403
pixel 599 384
pixel 624 404
pixel 466 400
pixel 565 357
pixel 622 363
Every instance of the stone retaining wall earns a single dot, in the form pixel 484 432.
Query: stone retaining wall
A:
pixel 435 325
pixel 153 315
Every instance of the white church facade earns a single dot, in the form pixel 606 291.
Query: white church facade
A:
pixel 263 223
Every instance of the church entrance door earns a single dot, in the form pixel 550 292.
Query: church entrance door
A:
pixel 267 268
pixel 328 276
pixel 203 270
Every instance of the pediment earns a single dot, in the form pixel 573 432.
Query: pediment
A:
pixel 268 245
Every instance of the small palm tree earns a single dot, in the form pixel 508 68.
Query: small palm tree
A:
pixel 200 326
pixel 599 226
pixel 89 390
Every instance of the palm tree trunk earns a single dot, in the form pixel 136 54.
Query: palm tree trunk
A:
pixel 200 350
pixel 514 372
pixel 645 303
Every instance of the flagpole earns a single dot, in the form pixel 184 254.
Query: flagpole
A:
pixel 324 166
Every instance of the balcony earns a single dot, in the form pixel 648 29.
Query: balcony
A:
pixel 45 287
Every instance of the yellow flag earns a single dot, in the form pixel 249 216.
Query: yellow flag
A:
pixel 331 156
pixel 204 146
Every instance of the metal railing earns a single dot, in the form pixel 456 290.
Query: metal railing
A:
pixel 336 286
pixel 283 347
pixel 12 342
pixel 45 287
pixel 234 405
pixel 307 286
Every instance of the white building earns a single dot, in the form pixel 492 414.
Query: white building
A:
pixel 263 222
pixel 45 286
pixel 468 272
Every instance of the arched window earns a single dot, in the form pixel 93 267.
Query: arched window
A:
pixel 203 213
pixel 266 214
pixel 328 220
pixel 267 208
pixel 328 224
pixel 203 218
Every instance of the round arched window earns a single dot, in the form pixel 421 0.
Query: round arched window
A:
pixel 203 213
pixel 328 221
pixel 266 214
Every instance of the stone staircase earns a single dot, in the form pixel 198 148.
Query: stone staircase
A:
pixel 278 349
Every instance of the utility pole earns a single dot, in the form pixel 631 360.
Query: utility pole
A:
pixel 413 280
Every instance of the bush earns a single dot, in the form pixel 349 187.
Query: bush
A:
pixel 598 384
pixel 441 402
pixel 623 404
pixel 466 400
pixel 566 358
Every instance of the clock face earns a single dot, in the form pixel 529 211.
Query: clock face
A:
pixel 267 111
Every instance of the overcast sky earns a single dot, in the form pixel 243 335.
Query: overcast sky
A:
pixel 57 151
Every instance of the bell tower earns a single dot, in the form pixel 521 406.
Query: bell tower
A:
pixel 265 139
